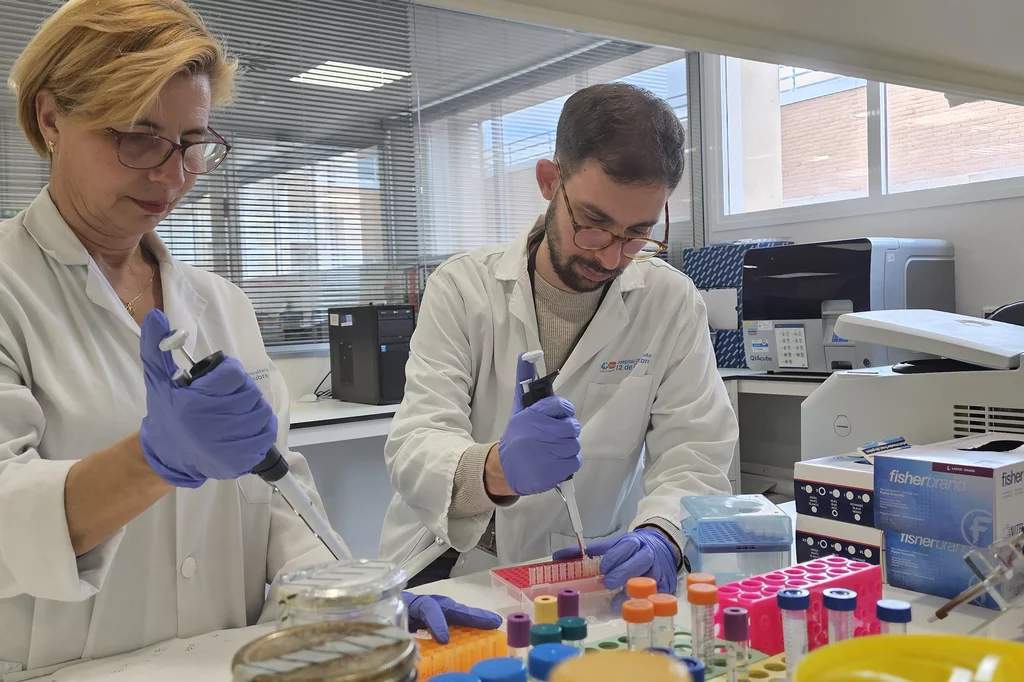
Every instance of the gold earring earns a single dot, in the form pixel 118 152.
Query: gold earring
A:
pixel 49 146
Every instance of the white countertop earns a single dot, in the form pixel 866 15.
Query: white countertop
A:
pixel 207 658
pixel 325 421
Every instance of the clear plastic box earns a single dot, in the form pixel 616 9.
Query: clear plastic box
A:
pixel 736 536
pixel 581 574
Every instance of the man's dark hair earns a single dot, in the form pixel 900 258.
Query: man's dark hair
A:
pixel 634 135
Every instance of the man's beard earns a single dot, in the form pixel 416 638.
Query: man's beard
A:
pixel 566 265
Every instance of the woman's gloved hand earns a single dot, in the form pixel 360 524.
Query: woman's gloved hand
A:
pixel 219 427
pixel 436 613
pixel 643 552
pixel 541 444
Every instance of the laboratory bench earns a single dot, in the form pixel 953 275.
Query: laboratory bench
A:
pixel 207 658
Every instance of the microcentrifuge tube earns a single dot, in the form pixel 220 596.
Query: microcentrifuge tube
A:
pixel 840 604
pixel 641 588
pixel 793 603
pixel 893 615
pixel 519 636
pixel 703 598
pixel 665 608
pixel 735 631
pixel 639 616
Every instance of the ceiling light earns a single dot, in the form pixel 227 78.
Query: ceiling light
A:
pixel 349 76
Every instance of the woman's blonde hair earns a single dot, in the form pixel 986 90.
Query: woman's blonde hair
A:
pixel 105 61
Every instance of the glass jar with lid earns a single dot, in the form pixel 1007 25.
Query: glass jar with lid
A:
pixel 329 652
pixel 351 590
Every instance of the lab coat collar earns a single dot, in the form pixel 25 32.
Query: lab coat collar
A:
pixel 47 226
pixel 609 320
pixel 183 305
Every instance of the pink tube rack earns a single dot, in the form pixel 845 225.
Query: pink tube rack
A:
pixel 757 595
pixel 526 583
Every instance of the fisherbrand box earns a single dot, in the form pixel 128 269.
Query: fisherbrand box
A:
pixel 969 490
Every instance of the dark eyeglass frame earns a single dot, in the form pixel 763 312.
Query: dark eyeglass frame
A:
pixel 120 135
pixel 613 238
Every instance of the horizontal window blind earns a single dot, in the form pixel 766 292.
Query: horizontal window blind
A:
pixel 371 139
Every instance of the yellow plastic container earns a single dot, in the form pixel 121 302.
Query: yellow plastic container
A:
pixel 621 666
pixel 914 658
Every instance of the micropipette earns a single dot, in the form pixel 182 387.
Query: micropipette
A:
pixel 274 468
pixel 533 390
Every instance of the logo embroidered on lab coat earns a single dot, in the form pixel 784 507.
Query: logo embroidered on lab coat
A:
pixel 626 365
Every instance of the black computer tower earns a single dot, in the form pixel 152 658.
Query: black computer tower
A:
pixel 369 349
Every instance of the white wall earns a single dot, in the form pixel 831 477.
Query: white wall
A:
pixel 303 373
pixel 986 235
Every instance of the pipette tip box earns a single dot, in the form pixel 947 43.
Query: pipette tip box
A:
pixel 757 595
pixel 466 647
pixel 525 583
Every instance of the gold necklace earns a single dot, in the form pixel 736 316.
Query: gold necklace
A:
pixel 128 304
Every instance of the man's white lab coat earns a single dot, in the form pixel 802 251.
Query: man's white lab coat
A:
pixel 643 373
pixel 71 383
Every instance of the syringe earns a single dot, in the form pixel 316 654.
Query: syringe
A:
pixel 534 390
pixel 274 468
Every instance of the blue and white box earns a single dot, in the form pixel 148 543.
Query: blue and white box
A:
pixel 931 566
pixel 968 491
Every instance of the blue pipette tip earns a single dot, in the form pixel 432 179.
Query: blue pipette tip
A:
pixel 839 599
pixel 793 599
pixel 892 611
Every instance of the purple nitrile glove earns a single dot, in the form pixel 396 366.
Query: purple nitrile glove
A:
pixel 435 613
pixel 541 444
pixel 643 552
pixel 219 427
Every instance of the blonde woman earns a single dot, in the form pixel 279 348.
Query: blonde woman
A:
pixel 127 515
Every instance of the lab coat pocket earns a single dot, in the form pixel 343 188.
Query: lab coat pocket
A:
pixel 615 417
pixel 255 490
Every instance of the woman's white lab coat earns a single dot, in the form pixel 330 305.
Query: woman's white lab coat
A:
pixel 70 384
pixel 644 372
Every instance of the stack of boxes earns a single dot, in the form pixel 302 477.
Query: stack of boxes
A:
pixel 719 267
pixel 835 504
pixel 916 510
pixel 937 502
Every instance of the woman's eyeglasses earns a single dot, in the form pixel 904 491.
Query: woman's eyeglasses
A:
pixel 597 238
pixel 145 151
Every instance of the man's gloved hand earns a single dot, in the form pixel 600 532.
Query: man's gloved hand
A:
pixel 435 613
pixel 642 552
pixel 541 444
pixel 219 427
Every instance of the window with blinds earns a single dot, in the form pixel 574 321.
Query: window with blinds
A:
pixel 371 139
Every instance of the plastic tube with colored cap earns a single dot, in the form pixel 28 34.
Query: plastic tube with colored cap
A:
pixel 703 578
pixel 736 632
pixel 893 615
pixel 840 605
pixel 665 608
pixel 639 617
pixel 519 636
pixel 545 633
pixel 574 632
pixel 703 599
pixel 695 667
pixel 641 588
pixel 568 603
pixel 545 609
pixel 545 657
pixel 499 670
pixel 793 603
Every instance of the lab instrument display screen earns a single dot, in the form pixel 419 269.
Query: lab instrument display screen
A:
pixel 790 282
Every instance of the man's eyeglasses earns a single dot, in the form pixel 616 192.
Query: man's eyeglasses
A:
pixel 145 151
pixel 597 238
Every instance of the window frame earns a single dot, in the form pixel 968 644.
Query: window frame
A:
pixel 713 74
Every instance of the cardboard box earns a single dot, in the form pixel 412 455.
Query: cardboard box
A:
pixel 937 567
pixel 817 538
pixel 839 489
pixel 966 491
